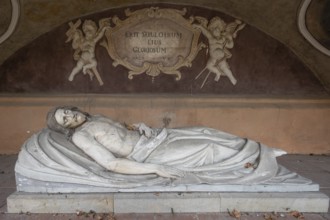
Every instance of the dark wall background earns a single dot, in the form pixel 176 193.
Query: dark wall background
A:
pixel 261 65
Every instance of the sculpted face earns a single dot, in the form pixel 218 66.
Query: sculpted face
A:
pixel 69 119
pixel 89 31
pixel 216 32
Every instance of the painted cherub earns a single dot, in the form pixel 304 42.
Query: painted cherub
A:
pixel 220 38
pixel 84 43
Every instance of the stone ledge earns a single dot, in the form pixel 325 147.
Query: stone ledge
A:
pixel 167 202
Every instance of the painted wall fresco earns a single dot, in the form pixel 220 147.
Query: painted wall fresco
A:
pixel 259 65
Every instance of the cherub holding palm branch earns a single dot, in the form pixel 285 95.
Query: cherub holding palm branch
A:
pixel 220 38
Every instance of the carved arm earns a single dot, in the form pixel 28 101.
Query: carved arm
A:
pixel 205 31
pixel 106 159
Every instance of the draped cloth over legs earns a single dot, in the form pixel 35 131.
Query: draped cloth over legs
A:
pixel 207 156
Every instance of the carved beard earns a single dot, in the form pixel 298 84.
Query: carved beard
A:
pixel 87 115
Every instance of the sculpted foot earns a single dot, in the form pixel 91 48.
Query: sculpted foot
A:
pixel 233 81
pixel 217 77
pixel 71 77
pixel 279 152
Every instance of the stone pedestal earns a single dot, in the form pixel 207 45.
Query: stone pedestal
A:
pixel 168 202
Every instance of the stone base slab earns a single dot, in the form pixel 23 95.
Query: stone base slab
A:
pixel 167 202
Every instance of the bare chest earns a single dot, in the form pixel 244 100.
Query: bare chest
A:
pixel 117 140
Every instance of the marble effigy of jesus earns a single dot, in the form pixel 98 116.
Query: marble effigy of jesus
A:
pixel 78 148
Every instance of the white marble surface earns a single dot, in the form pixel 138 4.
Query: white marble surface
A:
pixel 100 152
pixel 80 153
pixel 28 185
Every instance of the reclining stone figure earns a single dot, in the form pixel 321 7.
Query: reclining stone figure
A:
pixel 83 149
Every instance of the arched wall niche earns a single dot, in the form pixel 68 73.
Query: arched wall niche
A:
pixel 277 100
pixel 261 65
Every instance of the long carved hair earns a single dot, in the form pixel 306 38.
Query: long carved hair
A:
pixel 52 124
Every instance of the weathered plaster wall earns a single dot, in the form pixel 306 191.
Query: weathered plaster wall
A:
pixel 294 125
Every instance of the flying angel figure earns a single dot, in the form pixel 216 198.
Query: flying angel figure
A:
pixel 84 42
pixel 221 38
